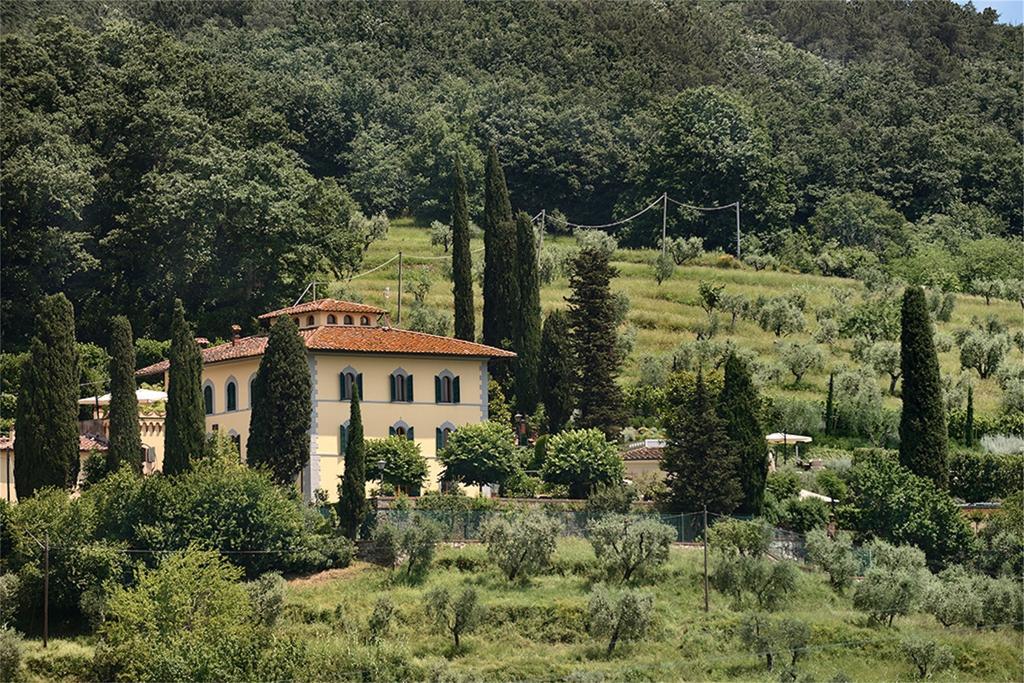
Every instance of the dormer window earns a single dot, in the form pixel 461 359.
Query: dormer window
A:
pixel 347 319
pixel 364 320
pixel 332 319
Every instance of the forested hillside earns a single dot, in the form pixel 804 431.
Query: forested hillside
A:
pixel 220 151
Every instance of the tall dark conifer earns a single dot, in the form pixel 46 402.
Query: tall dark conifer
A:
pixel 125 440
pixel 701 469
pixel 462 258
pixel 185 422
pixel 527 345
pixel 830 407
pixel 282 405
pixel 501 284
pixel 46 421
pixel 352 496
pixel 969 420
pixel 557 371
pixel 739 405
pixel 923 438
pixel 594 341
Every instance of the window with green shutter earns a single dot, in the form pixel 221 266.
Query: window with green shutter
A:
pixel 446 387
pixel 400 384
pixel 343 439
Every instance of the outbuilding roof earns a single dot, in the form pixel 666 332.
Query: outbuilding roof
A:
pixel 352 339
pixel 85 443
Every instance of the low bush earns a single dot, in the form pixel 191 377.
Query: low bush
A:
pixel 266 594
pixel 771 638
pixel 765 581
pixel 520 544
pixel 413 543
pixel 892 586
pixel 803 514
pixel 456 615
pixel 10 654
pixel 616 497
pixel 381 619
pixel 834 556
pixel 547 623
pixel 623 615
pixel 926 656
pixel 60 661
pixel 630 548
pixel 739 537
pixel 10 585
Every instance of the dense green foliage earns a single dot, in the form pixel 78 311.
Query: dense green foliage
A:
pixel 352 490
pixel 630 548
pixel 282 407
pixel 557 367
pixel 185 424
pixel 501 279
pixel 598 359
pixel 462 258
pixel 581 459
pixel 739 405
pixel 480 454
pixel 46 444
pixel 396 461
pixel 528 324
pixel 923 439
pixel 521 544
pixel 624 615
pixel 125 442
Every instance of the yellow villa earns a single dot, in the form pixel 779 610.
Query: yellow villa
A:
pixel 415 385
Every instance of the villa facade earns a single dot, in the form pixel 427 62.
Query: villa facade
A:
pixel 418 386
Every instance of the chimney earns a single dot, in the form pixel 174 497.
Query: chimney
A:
pixel 236 332
pixel 203 342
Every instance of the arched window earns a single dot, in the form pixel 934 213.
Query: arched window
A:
pixel 442 433
pixel 363 320
pixel 347 320
pixel 309 321
pixel 252 386
pixel 347 379
pixel 231 395
pixel 297 321
pixel 446 387
pixel 208 399
pixel 400 383
pixel 343 437
pixel 401 429
pixel 332 319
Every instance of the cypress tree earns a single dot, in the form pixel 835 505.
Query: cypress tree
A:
pixel 830 409
pixel 125 441
pixel 594 342
pixel 282 405
pixel 462 259
pixel 185 422
pixel 352 498
pixel 501 284
pixel 527 346
pixel 701 468
pixel 738 406
pixel 923 438
pixel 46 421
pixel 557 371
pixel 969 421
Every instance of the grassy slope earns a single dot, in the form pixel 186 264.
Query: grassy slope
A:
pixel 666 315
pixel 547 639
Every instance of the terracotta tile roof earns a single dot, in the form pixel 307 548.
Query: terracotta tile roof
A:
pixel 85 443
pixel 353 339
pixel 644 453
pixel 333 305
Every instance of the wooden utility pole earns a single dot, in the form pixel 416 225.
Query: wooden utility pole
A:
pixel 399 288
pixel 705 558
pixel 664 220
pixel 46 590
pixel 737 230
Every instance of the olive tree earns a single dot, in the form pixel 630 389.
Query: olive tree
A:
pixel 884 357
pixel 413 543
pixel 927 656
pixel 834 556
pixel 983 351
pixel 455 614
pixel 770 638
pixel 800 359
pixel 623 615
pixel 955 597
pixel 520 544
pixel 780 316
pixel 893 584
pixel 630 547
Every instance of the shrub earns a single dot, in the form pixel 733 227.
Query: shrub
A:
pixel 10 654
pixel 834 556
pixel 625 615
pixel 581 459
pixel 193 607
pixel 521 544
pixel 480 454
pixel 926 655
pixel 1002 601
pixel 954 597
pixel 630 547
pixel 454 614
pixel 396 461
pixel 267 597
pixel 1002 539
pixel 380 619
pixel 978 476
pixel 738 537
pixel 893 584
pixel 803 514
pixel 10 584
pixel 771 637
pixel 596 240
pixel 413 542
pixel 616 498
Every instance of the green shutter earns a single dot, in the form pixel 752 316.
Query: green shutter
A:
pixel 410 433
pixel 359 383
pixel 408 388
pixel 438 439
pixel 437 389
pixel 391 380
pixel 344 440
pixel 455 391
pixel 341 379
pixel 391 431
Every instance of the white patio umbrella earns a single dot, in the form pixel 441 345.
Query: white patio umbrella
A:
pixel 141 395
pixel 785 439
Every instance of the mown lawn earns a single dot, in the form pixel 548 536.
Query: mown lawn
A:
pixel 666 315
pixel 537 631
